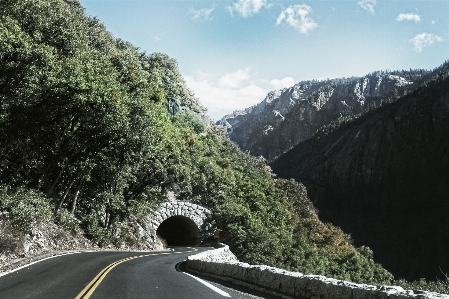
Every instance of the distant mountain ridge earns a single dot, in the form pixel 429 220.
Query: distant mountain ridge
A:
pixel 288 116
pixel 383 177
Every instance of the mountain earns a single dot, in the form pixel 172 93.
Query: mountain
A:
pixel 383 178
pixel 288 116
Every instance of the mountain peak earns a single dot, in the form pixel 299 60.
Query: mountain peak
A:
pixel 290 115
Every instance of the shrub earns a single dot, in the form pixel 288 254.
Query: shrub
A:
pixel 439 286
pixel 118 234
pixel 67 221
pixel 26 208
pixel 9 243
pixel 188 119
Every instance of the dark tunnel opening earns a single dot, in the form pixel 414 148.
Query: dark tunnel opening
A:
pixel 179 231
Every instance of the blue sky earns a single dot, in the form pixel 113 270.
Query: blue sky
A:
pixel 232 52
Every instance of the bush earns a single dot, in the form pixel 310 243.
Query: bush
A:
pixel 67 221
pixel 9 243
pixel 118 234
pixel 188 119
pixel 26 208
pixel 439 286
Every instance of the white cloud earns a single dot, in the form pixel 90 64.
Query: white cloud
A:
pixel 424 40
pixel 367 5
pixel 247 8
pixel 297 16
pixel 202 14
pixel 235 80
pixel 408 17
pixel 283 83
pixel 222 100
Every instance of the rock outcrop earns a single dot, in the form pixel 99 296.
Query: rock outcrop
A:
pixel 286 117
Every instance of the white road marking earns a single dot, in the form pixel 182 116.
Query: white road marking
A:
pixel 27 265
pixel 224 294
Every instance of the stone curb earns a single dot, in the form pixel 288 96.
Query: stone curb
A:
pixel 288 284
pixel 241 283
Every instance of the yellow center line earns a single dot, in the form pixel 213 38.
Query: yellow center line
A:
pixel 92 286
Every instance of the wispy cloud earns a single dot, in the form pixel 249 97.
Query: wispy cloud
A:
pixel 297 16
pixel 367 5
pixel 282 83
pixel 157 38
pixel 247 8
pixel 202 14
pixel 424 40
pixel 408 17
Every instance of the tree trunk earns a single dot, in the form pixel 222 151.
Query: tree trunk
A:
pixel 52 187
pixel 75 198
pixel 62 199
pixel 41 179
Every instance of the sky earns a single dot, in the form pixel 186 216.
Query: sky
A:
pixel 231 53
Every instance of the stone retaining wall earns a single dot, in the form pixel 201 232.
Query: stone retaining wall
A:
pixel 150 224
pixel 221 263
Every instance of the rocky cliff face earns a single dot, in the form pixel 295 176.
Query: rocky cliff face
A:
pixel 384 178
pixel 286 117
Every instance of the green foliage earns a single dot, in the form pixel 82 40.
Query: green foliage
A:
pixel 83 116
pixel 117 234
pixel 9 240
pixel 164 71
pixel 439 285
pixel 296 194
pixel 67 221
pixel 189 119
pixel 26 208
pixel 272 221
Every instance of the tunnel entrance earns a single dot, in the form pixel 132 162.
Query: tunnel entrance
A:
pixel 179 231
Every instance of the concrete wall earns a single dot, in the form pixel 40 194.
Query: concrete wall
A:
pixel 221 263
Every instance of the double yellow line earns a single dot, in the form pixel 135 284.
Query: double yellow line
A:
pixel 92 286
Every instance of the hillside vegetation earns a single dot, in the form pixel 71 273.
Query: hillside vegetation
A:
pixel 87 142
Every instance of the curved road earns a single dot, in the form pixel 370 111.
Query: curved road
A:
pixel 107 274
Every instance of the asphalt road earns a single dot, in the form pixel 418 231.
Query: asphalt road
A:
pixel 107 274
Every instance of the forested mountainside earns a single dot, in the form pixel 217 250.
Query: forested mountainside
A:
pixel 87 142
pixel 384 179
pixel 286 117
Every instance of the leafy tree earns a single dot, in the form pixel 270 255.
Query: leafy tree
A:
pixel 80 105
pixel 189 119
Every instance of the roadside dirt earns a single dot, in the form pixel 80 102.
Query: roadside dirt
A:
pixel 45 240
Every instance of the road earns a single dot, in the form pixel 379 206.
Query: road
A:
pixel 106 274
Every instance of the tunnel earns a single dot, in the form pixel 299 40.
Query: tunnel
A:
pixel 179 231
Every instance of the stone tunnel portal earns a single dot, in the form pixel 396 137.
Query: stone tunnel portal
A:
pixel 179 231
